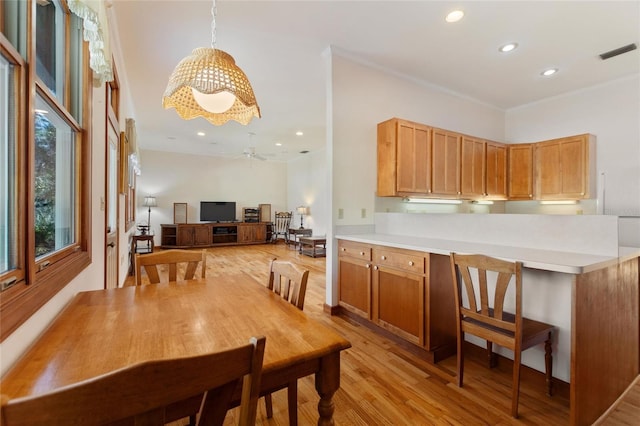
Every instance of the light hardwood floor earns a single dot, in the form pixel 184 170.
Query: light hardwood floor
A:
pixel 382 383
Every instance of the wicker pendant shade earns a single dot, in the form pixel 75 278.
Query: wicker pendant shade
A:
pixel 210 71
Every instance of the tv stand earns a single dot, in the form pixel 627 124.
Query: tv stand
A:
pixel 211 234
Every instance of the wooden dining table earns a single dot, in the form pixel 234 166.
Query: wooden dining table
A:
pixel 104 330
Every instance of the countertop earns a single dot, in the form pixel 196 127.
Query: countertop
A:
pixel 548 260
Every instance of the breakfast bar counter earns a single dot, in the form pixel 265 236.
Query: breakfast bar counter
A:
pixel 592 299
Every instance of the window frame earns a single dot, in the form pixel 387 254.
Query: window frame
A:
pixel 39 284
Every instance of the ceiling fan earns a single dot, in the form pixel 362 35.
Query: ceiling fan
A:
pixel 250 153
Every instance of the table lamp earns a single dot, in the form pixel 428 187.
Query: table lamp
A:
pixel 149 202
pixel 302 210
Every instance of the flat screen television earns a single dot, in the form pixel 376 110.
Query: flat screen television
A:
pixel 217 211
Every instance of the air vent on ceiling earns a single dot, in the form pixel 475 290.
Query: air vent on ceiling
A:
pixel 618 51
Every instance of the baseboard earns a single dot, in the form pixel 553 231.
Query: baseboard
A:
pixel 331 310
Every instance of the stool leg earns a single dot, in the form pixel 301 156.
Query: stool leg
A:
pixel 548 365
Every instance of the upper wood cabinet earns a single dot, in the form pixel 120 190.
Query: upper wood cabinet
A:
pixel 565 168
pixel 445 163
pixel 521 171
pixel 472 167
pixel 496 170
pixel 404 165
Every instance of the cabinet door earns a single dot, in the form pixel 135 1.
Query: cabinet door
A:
pixel 185 235
pixel 496 170
pixel 245 233
pixel 354 285
pixel 260 234
pixel 202 235
pixel 562 169
pixel 399 303
pixel 445 163
pixel 472 167
pixel 520 174
pixel 413 158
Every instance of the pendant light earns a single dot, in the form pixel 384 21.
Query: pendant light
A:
pixel 209 84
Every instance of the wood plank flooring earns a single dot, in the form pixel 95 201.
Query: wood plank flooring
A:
pixel 382 383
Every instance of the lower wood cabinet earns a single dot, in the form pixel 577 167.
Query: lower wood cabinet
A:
pixel 212 234
pixel 405 292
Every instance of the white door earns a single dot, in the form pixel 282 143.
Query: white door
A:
pixel 111 249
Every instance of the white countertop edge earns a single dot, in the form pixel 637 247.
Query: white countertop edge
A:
pixel 548 260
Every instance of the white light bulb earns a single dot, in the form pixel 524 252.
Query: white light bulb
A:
pixel 216 102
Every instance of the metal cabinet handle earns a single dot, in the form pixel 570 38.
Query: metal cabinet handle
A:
pixel 361 253
pixel 383 257
pixel 411 263
pixel 375 267
pixel 344 249
pixel 368 266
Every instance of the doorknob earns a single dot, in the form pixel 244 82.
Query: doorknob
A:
pixel 111 245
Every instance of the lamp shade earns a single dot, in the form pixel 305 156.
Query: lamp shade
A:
pixel 302 210
pixel 150 202
pixel 209 74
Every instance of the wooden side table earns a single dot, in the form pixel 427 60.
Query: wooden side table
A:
pixel 295 232
pixel 148 248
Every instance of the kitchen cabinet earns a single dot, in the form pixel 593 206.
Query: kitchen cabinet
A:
pixel 194 235
pixel 496 170
pixel 520 171
pixel 565 168
pixel 404 163
pixel 398 292
pixel 445 163
pixel 354 278
pixel 472 167
pixel 407 293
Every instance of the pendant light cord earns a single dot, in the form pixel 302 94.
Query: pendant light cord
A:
pixel 213 24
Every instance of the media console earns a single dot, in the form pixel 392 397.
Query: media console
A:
pixel 187 235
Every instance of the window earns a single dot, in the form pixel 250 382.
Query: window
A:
pixel 45 219
pixel 50 45
pixel 55 180
pixel 8 175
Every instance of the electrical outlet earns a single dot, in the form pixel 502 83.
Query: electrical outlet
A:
pixel 340 213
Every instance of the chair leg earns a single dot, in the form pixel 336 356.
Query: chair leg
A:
pixel 460 357
pixel 515 393
pixel 268 405
pixel 292 394
pixel 491 357
pixel 548 365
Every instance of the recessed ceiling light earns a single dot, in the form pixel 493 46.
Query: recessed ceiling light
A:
pixel 200 133
pixel 549 72
pixel 454 16
pixel 278 144
pixel 299 133
pixel 508 47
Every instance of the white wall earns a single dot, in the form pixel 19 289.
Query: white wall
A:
pixel 307 185
pixel 612 113
pixel 185 178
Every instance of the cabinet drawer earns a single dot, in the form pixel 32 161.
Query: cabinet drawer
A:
pixel 353 249
pixel 403 261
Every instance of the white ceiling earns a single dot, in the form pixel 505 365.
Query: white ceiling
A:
pixel 279 45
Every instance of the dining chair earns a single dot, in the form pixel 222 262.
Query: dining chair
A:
pixel 480 311
pixel 281 226
pixel 171 258
pixel 290 282
pixel 140 393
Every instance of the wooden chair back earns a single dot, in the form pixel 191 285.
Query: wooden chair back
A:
pixel 289 281
pixel 171 258
pixel 139 394
pixel 482 311
pixel 281 224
